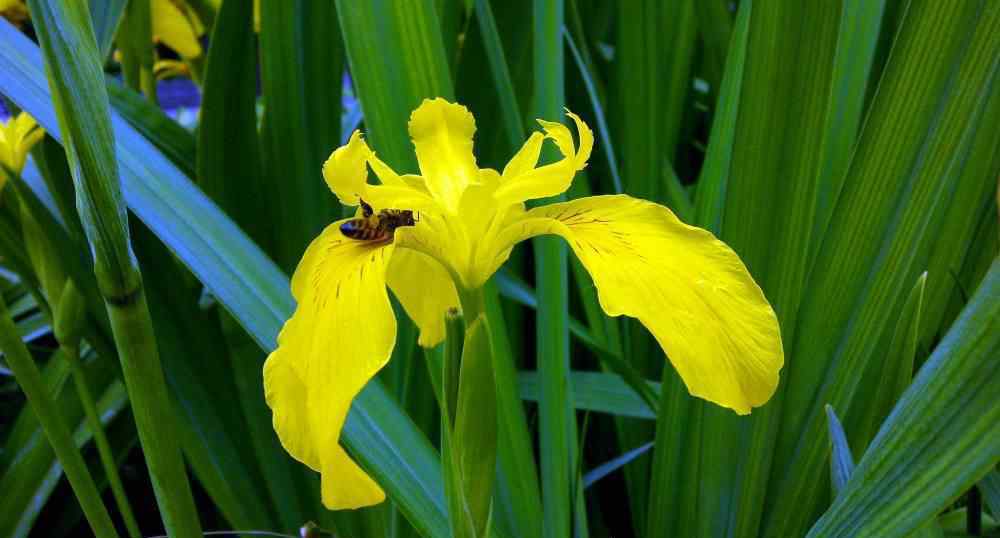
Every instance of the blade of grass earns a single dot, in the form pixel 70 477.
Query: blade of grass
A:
pixel 82 108
pixel 943 426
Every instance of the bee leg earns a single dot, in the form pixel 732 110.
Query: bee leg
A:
pixel 366 210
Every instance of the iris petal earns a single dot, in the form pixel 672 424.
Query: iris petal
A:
pixel 426 291
pixel 522 182
pixel 442 137
pixel 341 334
pixel 687 287
pixel 174 28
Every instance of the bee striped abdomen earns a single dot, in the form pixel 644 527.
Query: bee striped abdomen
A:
pixel 365 229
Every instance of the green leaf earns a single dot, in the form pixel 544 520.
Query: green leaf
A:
pixel 172 140
pixel 81 103
pixel 853 64
pixel 557 421
pixel 909 160
pixel 609 467
pixel 990 486
pixel 244 280
pixel 841 461
pixel 397 59
pixel 55 426
pixel 518 496
pixel 106 15
pixel 652 90
pixel 896 369
pixel 939 438
pixel 301 60
pixel 229 171
pixel 474 439
pixel 594 391
pixel 31 471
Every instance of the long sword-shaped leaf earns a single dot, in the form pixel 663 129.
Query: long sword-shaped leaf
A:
pixel 249 284
pixel 557 421
pixel 228 162
pixel 301 68
pixel 76 81
pixel 909 161
pixel 939 439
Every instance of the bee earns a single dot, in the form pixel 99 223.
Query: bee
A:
pixel 379 227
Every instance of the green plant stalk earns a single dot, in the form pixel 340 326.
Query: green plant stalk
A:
pixel 76 80
pixel 469 418
pixel 135 40
pixel 107 457
pixel 41 402
pixel 557 421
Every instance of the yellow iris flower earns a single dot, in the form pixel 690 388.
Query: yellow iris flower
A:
pixel 177 27
pixel 17 135
pixel 687 287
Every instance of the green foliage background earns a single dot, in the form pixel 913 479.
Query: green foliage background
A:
pixel 848 150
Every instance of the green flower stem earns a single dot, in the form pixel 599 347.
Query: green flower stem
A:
pixel 44 407
pixel 469 445
pixel 72 353
pixel 454 324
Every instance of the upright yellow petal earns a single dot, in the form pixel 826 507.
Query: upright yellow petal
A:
pixel 426 291
pixel 173 27
pixel 522 181
pixel 346 170
pixel 687 287
pixel 341 334
pixel 442 136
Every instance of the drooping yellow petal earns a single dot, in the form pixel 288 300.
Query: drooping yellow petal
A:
pixel 687 287
pixel 442 137
pixel 522 182
pixel 174 28
pixel 426 291
pixel 341 334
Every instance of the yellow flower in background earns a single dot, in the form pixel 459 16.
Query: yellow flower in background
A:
pixel 177 27
pixel 14 11
pixel 17 136
pixel 429 236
